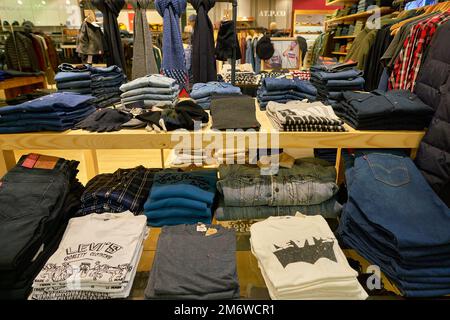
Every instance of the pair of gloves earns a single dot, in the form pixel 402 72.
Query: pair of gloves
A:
pixel 104 120
pixel 183 116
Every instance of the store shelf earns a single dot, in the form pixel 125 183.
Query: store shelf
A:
pixel 362 15
pixel 339 53
pixel 345 37
pixel 340 3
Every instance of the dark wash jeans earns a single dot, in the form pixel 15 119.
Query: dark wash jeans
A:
pixel 394 219
pixel 31 200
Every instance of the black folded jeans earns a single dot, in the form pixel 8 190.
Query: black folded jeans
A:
pixel 31 203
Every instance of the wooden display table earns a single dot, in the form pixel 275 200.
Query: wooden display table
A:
pixel 141 139
pixel 18 85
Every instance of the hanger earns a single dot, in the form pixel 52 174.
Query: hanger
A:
pixel 91 18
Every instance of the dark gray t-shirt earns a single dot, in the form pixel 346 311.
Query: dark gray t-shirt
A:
pixel 191 265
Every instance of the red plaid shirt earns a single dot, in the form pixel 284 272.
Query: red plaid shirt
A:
pixel 409 60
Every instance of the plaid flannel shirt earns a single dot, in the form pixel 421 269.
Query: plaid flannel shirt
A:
pixel 125 189
pixel 409 60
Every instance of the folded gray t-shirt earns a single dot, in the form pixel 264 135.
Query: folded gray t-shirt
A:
pixel 192 265
pixel 235 112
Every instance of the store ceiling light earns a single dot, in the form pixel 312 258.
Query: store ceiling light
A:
pixel 43 2
pixel 19 2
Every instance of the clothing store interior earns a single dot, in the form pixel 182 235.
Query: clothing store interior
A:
pixel 261 149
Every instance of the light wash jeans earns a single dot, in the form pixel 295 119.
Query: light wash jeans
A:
pixel 154 80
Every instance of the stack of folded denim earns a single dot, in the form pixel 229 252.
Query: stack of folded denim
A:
pixel 284 90
pixel 55 112
pixel 125 189
pixel 37 199
pixel 379 110
pixel 78 81
pixel 331 84
pixel 395 220
pixel 202 92
pixel 152 89
pixel 103 83
pixel 181 198
pixel 308 187
pixel 362 6
pixel 304 116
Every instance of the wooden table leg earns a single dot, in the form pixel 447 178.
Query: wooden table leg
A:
pixel 340 168
pixel 413 153
pixel 7 161
pixel 91 163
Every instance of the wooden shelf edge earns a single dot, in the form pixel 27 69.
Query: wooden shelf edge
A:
pixel 344 37
pixel 339 53
pixel 362 15
pixel 339 2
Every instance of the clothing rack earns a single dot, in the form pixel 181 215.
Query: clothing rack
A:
pixel 233 59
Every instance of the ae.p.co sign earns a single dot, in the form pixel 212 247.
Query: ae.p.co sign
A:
pixel 272 13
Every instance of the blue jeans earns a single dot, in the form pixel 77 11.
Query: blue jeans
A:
pixel 105 84
pixel 105 90
pixel 151 97
pixel 72 76
pixel 60 101
pixel 344 75
pixel 154 80
pixel 74 84
pixel 151 90
pixel 107 77
pixel 202 90
pixel 67 67
pixel 84 91
pixel 105 70
pixel 273 84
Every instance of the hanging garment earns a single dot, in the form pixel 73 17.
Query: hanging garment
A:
pixel 114 48
pixel 90 39
pixel 173 52
pixel 144 62
pixel 203 61
pixel 433 87
pixel 226 41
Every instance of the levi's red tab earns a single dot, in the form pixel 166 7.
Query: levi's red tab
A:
pixel 46 162
pixel 30 160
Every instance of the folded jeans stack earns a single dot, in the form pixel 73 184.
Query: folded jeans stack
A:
pixel 379 110
pixel 308 187
pixel 330 85
pixel 105 83
pixel 202 92
pixel 55 112
pixel 181 197
pixel 300 258
pixel 152 89
pixel 192 157
pixel 194 262
pixel 396 221
pixel 304 116
pixel 284 90
pixel 96 259
pixel 125 189
pixel 38 197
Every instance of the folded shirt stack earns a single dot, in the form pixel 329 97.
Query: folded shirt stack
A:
pixel 152 89
pixel 192 157
pixel 231 156
pixel 300 258
pixel 37 198
pixel 194 262
pixel 331 83
pixel 96 259
pixel 55 112
pixel 304 116
pixel 379 110
pixel 396 221
pixel 308 187
pixel 125 189
pixel 181 197
pixel 233 112
pixel 102 83
pixel 284 90
pixel 202 92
